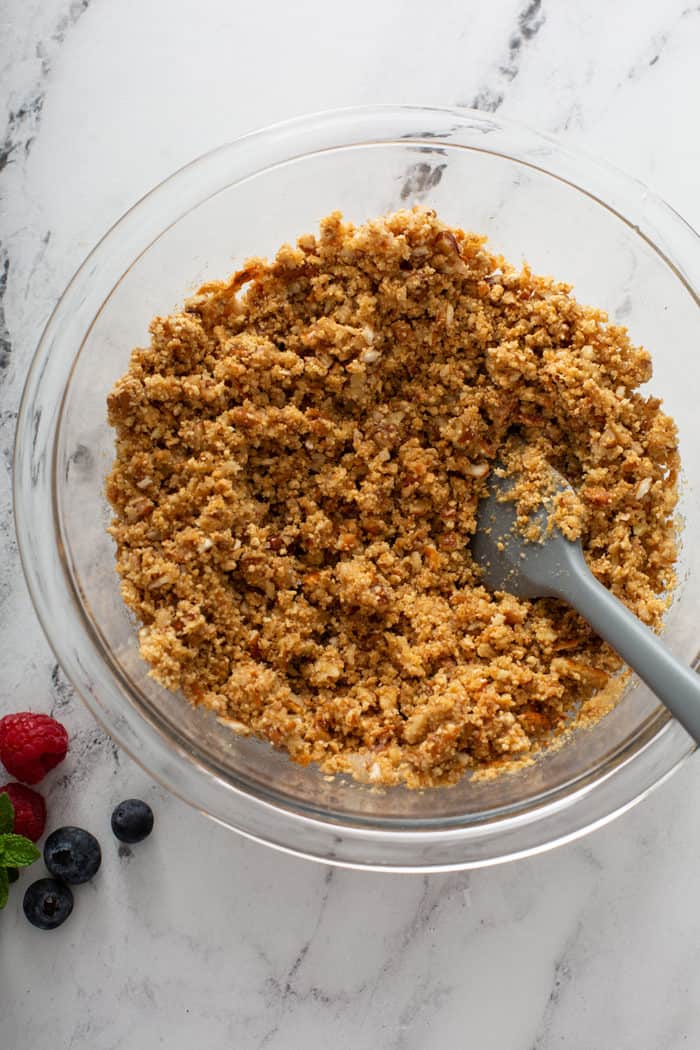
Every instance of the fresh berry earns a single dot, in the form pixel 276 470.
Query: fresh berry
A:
pixel 48 903
pixel 31 745
pixel 30 810
pixel 12 874
pixel 72 854
pixel 132 820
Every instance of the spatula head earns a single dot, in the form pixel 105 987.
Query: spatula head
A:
pixel 509 561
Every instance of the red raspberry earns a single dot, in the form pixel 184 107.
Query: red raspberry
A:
pixel 31 745
pixel 30 810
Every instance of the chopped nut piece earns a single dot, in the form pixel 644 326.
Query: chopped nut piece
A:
pixel 477 470
pixel 368 357
pixel 160 582
pixel 136 509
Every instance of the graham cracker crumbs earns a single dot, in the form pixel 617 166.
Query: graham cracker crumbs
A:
pixel 543 501
pixel 299 457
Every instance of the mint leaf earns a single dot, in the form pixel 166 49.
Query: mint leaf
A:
pixel 4 888
pixel 17 852
pixel 7 813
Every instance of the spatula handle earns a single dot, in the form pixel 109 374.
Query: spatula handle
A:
pixel 675 684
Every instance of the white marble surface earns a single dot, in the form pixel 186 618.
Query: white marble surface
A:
pixel 199 937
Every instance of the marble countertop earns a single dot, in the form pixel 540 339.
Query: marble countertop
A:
pixel 199 937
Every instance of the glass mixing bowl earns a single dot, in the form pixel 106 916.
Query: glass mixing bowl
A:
pixel 568 215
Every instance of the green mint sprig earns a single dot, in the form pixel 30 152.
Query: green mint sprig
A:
pixel 16 851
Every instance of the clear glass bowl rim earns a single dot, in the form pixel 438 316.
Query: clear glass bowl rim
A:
pixel 658 749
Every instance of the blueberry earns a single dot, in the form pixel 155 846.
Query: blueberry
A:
pixel 72 854
pixel 132 820
pixel 12 874
pixel 48 903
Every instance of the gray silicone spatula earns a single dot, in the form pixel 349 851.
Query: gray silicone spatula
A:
pixel 555 567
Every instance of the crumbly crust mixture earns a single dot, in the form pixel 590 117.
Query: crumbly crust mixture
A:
pixel 543 501
pixel 299 458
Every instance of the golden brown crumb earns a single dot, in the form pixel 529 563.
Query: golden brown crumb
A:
pixel 300 455
pixel 535 488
